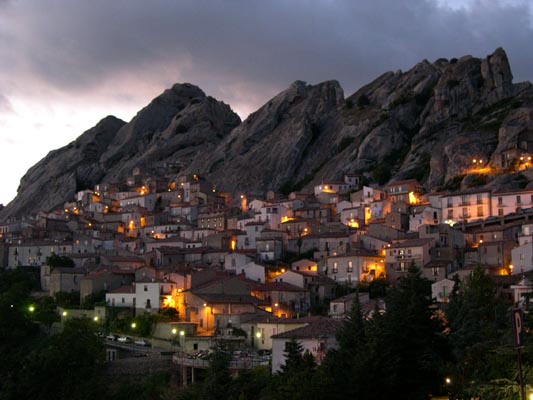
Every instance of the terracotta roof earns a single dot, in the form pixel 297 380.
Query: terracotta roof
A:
pixel 279 287
pixel 325 327
pixel 124 289
pixel 218 298
pixel 411 243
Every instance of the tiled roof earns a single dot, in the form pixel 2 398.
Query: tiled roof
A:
pixel 279 287
pixel 325 327
pixel 124 289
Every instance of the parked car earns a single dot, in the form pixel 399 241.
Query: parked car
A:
pixel 124 339
pixel 111 337
pixel 142 342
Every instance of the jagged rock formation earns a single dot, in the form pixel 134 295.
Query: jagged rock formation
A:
pixel 426 123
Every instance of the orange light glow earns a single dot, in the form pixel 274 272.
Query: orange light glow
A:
pixel 368 214
pixel 233 245
pixel 353 223
pixel 412 198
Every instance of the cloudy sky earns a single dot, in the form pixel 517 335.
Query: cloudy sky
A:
pixel 65 64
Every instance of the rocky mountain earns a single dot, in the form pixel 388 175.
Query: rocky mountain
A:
pixel 426 123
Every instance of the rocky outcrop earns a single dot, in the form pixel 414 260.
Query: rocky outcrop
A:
pixel 280 142
pixel 426 123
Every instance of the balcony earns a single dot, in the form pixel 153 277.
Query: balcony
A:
pixel 464 203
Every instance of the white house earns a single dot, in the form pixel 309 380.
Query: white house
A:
pixel 252 271
pixel 331 187
pixel 123 296
pixel 317 338
pixel 466 206
pixel 440 290
pixel 522 258
pixel 509 201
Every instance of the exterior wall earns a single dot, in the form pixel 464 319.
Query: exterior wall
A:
pixel 440 290
pixel 64 282
pixel 496 254
pixel 399 259
pixel 343 306
pixel 505 203
pixel 466 206
pixel 35 254
pixel 316 346
pixel 148 295
pixel 268 330
pixel 522 258
pixel 232 261
pixel 107 281
pixel 120 299
pixel 269 249
pixel 292 278
pixel 253 272
pixel 274 215
pixel 429 216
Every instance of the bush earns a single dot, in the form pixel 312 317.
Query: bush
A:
pixel 363 101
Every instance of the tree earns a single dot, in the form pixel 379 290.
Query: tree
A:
pixel 55 261
pixel 363 101
pixel 217 378
pixel 67 366
pixel 298 376
pixel 479 326
pixel 410 345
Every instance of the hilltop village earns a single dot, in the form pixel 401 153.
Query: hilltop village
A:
pixel 262 270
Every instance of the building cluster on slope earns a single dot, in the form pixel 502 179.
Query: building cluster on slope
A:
pixel 222 261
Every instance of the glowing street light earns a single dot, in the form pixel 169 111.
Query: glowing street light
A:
pixel 133 325
pixel 174 331
pixel 64 313
pixel 95 318
pixel 31 308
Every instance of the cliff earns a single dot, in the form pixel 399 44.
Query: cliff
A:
pixel 427 123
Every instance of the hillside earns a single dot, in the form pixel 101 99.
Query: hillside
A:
pixel 427 123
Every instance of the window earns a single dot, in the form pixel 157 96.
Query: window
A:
pixel 500 211
pixel 450 214
pixel 500 201
pixel 435 271
pixel 401 267
pixel 479 198
pixel 123 300
pixel 145 288
pixel 479 211
pixel 465 199
pixel 465 212
pixel 450 202
pixel 335 267
pixel 350 266
pixel 518 199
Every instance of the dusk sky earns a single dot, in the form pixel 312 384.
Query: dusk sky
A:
pixel 66 64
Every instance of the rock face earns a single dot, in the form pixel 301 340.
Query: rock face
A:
pixel 426 123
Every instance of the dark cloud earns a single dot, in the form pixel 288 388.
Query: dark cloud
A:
pixel 237 49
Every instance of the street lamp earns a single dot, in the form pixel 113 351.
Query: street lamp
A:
pixel 133 325
pixel 31 308
pixel 64 314
pixel 95 318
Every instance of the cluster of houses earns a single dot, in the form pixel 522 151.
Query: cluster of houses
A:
pixel 227 261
